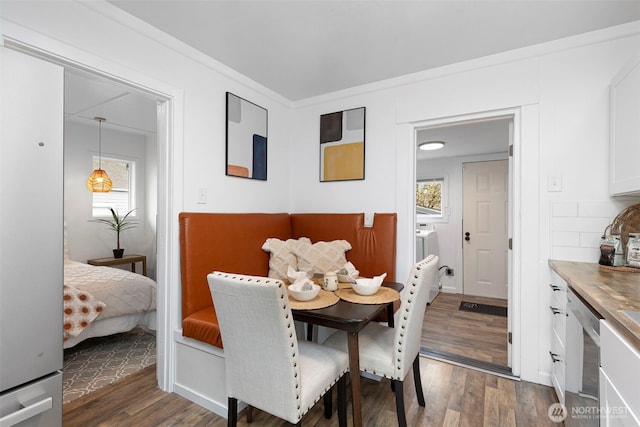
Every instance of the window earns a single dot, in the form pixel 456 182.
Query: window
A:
pixel 121 197
pixel 429 198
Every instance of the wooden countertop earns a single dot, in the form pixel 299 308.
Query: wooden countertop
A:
pixel 608 292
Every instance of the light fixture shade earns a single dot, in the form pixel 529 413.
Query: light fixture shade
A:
pixel 431 145
pixel 99 182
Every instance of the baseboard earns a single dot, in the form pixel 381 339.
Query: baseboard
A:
pixel 467 362
pixel 201 400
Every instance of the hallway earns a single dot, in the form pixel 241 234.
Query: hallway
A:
pixel 449 331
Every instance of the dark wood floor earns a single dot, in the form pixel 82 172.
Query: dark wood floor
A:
pixel 482 337
pixel 455 396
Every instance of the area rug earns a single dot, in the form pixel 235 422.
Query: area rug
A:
pixel 97 362
pixel 483 308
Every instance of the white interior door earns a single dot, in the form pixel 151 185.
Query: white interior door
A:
pixel 485 228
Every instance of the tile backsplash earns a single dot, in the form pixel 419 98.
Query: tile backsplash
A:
pixel 576 227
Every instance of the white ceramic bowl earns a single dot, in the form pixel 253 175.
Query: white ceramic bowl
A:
pixel 365 287
pixel 305 295
pixel 293 278
pixel 344 278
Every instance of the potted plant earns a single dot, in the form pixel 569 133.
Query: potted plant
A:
pixel 118 224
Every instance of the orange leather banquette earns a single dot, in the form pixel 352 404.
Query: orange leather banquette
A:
pixel 232 242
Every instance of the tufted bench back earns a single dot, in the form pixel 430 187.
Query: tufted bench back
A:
pixel 373 249
pixel 232 242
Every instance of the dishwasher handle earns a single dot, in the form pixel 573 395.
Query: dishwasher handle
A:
pixel 587 327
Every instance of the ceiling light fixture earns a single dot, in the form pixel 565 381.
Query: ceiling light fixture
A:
pixel 431 145
pixel 99 181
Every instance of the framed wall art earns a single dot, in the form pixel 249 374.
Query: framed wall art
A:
pixel 246 154
pixel 342 145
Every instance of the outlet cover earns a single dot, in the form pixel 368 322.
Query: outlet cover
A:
pixel 368 219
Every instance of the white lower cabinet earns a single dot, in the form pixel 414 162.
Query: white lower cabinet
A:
pixel 558 313
pixel 619 379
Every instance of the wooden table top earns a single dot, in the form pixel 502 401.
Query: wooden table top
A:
pixel 116 261
pixel 348 316
pixel 608 292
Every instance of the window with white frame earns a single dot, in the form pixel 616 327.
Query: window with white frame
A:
pixel 121 197
pixel 430 193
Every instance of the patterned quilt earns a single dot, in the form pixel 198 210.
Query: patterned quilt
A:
pixel 80 309
pixel 93 292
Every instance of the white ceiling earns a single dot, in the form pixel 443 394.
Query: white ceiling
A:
pixel 305 48
pixel 86 97
pixel 466 138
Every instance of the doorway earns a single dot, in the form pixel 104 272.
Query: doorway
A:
pixel 128 152
pixel 476 339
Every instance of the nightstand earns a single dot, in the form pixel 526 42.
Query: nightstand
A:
pixel 127 259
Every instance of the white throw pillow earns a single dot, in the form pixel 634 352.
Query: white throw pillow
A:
pixel 321 257
pixel 281 255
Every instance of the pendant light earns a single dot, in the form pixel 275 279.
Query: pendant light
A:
pixel 99 181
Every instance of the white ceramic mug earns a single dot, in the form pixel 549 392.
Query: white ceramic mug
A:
pixel 330 282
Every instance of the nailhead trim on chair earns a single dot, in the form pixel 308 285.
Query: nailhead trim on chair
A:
pixel 292 343
pixel 291 336
pixel 403 326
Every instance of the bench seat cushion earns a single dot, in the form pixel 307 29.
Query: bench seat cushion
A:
pixel 203 325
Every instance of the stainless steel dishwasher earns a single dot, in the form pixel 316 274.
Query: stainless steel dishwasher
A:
pixel 582 363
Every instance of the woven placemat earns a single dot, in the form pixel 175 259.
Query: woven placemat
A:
pixel 322 300
pixel 621 268
pixel 384 295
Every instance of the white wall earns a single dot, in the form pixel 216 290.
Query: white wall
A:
pixel 373 194
pixel 559 90
pixel 88 239
pixel 560 94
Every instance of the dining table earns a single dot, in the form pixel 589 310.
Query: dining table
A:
pixel 350 317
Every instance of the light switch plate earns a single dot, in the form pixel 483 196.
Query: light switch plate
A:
pixel 202 196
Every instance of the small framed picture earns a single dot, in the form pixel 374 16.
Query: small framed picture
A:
pixel 342 145
pixel 246 154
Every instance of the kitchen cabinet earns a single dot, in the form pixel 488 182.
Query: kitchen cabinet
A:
pixel 619 379
pixel 557 352
pixel 624 173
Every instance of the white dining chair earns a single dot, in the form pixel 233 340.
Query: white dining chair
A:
pixel 390 352
pixel 266 366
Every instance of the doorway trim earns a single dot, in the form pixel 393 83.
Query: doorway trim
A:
pixel 170 122
pixel 406 174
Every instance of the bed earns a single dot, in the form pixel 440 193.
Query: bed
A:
pixel 100 301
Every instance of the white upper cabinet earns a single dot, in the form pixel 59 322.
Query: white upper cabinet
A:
pixel 624 155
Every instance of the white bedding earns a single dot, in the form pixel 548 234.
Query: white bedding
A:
pixel 129 298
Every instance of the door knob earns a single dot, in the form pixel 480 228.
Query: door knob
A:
pixel 466 236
